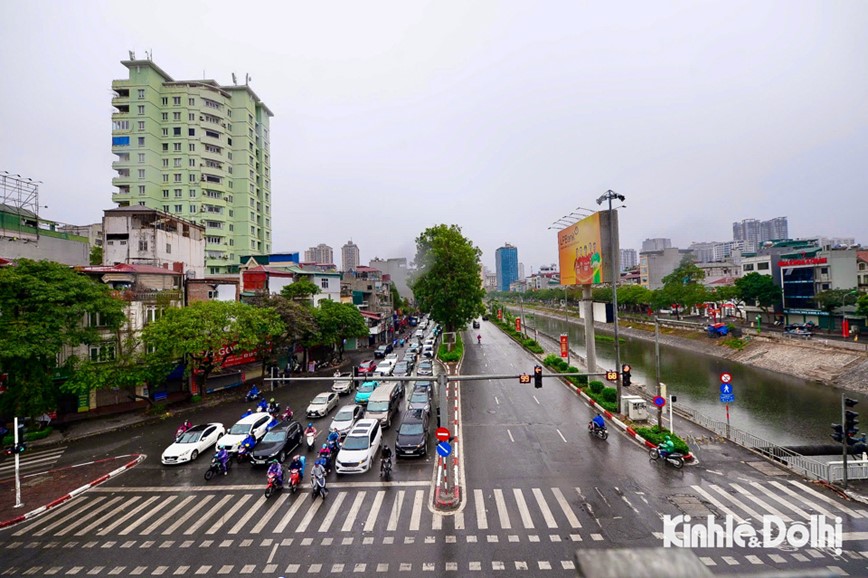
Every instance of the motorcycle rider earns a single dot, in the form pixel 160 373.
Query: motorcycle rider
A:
pixel 479 339
pixel 223 457
pixel 334 437
pixel 385 456
pixel 297 463
pixel 273 406
pixel 598 422
pixel 246 413
pixel 262 406
pixel 253 393
pixel 248 444
pixel 318 474
pixel 310 430
pixel 276 469
pixel 666 447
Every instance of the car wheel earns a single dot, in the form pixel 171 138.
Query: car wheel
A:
pixel 194 455
pixel 282 457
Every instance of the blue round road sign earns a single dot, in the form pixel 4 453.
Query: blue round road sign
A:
pixel 726 388
pixel 659 401
pixel 444 449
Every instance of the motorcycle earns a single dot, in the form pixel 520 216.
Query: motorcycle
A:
pixel 253 394
pixel 675 459
pixel 600 432
pixel 318 487
pixel 386 469
pixel 216 468
pixel 294 480
pixel 182 429
pixel 273 485
pixel 287 414
pixel 310 439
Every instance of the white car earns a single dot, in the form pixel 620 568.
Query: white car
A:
pixel 346 418
pixel 344 384
pixel 322 404
pixel 385 367
pixel 193 442
pixel 357 453
pixel 257 424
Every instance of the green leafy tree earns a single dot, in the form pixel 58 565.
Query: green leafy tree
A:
pixel 862 305
pixel 448 282
pixel 301 291
pixel 684 286
pixel 96 255
pixel 759 290
pixel 205 333
pixel 337 322
pixel 635 297
pixel 298 320
pixel 832 299
pixel 45 307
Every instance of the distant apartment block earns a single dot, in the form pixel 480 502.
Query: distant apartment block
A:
pixel 349 256
pixel 655 265
pixel 396 269
pixel 322 254
pixel 629 259
pixel 756 231
pixel 656 244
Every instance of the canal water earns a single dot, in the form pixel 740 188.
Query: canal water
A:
pixel 780 408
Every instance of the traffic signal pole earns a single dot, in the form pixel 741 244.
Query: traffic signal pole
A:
pixel 18 502
pixel 844 441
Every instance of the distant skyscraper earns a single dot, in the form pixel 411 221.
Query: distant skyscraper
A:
pixel 757 231
pixel 506 265
pixel 322 253
pixel 349 256
pixel 521 270
pixel 656 244
pixel 775 229
pixel 628 259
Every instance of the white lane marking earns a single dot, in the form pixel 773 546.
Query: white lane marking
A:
pixel 273 552
pixel 738 503
pixel 284 522
pixel 792 507
pixel 716 502
pixel 827 499
pixel 536 400
pixel 201 521
pixel 562 435
pixel 623 497
pixel 760 503
pixel 459 520
pixel 813 505
pixel 227 516
pixel 481 518
pixel 512 439
pixel 86 517
pixel 714 472
pixel 416 516
pixel 568 512
pixel 308 516
pixel 375 510
pixel 851 536
pixel 167 516
pixel 544 508
pixel 396 512
pixel 83 506
pixel 522 509
pixel 190 513
pixel 332 513
pixel 502 512
pixel 128 515
pixel 437 521
pixel 248 487
pixel 354 511
pixel 147 516
pixel 497 401
pixel 605 501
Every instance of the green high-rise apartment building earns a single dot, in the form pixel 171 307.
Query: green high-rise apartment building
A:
pixel 197 150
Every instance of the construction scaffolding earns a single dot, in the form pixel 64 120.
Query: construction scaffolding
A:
pixel 19 207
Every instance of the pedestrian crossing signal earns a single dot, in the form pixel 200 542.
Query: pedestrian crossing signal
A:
pixel 612 376
pixel 537 376
pixel 524 378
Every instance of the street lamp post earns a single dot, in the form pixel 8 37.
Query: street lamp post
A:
pixel 614 257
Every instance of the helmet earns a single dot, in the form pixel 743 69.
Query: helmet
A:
pixel 667 438
pixel 310 424
pixel 271 400
pixel 250 410
pixel 324 446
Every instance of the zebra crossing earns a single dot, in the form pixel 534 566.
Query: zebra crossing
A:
pixel 584 514
pixel 31 462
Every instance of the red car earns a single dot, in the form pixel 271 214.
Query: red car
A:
pixel 367 367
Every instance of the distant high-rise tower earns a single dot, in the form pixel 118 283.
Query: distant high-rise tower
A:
pixel 506 266
pixel 747 230
pixel 656 244
pixel 775 229
pixel 349 256
pixel 322 253
pixel 521 270
pixel 197 150
pixel 628 259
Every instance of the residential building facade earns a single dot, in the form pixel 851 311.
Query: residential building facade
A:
pixel 396 269
pixel 655 265
pixel 629 259
pixel 198 150
pixel 506 266
pixel 349 256
pixel 321 254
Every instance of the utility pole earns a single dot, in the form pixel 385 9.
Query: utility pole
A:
pixel 614 257
pixel 657 364
pixel 567 323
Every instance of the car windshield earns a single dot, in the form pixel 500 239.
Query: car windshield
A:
pixel 274 436
pixel 367 387
pixel 240 429
pixel 356 443
pixel 419 397
pixel 319 400
pixel 190 437
pixel 344 415
pixel 411 429
pixel 378 405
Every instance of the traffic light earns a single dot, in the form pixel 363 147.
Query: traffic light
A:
pixel 537 376
pixel 838 434
pixel 625 375
pixel 851 424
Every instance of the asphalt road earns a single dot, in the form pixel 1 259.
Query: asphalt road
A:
pixel 538 488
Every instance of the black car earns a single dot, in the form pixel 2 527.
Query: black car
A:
pixel 383 351
pixel 278 443
pixel 485 317
pixel 475 324
pixel 412 437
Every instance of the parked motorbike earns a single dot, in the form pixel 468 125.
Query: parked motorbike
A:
pixel 217 468
pixel 318 487
pixel 182 429
pixel 600 432
pixel 274 484
pixel 386 469
pixel 675 459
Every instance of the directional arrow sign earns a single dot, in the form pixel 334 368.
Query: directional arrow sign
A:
pixel 444 449
pixel 725 388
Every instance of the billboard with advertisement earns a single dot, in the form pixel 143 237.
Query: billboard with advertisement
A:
pixel 584 250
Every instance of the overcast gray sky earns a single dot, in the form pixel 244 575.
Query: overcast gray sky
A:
pixel 500 117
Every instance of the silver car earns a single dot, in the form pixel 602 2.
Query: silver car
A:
pixel 344 384
pixel 322 404
pixel 426 367
pixel 346 417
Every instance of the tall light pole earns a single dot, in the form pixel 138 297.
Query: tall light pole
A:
pixel 614 257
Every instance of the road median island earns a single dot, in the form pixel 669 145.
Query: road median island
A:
pixel 42 491
pixel 448 491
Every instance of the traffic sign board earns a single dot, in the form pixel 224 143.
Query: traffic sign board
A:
pixel 442 434
pixel 726 388
pixel 444 449
pixel 727 397
pixel 659 401
pixel 725 377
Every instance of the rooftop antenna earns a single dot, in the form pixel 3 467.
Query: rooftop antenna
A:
pixel 148 53
pixel 234 79
pixel 132 55
pixel 247 79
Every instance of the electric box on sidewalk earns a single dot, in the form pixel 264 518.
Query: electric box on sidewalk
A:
pixel 634 407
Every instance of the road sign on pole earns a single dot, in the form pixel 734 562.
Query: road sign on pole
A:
pixel 659 401
pixel 442 434
pixel 726 388
pixel 444 449
pixel 727 397
pixel 725 377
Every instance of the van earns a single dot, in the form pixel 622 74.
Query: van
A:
pixel 360 447
pixel 383 404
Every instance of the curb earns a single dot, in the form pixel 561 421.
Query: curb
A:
pixel 450 501
pixel 105 477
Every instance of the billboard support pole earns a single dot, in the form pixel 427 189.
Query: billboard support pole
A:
pixel 614 256
pixel 590 341
pixel 567 321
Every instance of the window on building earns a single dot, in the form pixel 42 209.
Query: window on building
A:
pixel 179 208
pixel 141 174
pixel 229 141
pixel 192 178
pixel 165 163
pixel 192 193
pixel 165 208
pixel 192 208
pixel 762 266
pixel 192 162
pixel 192 147
pixel 191 101
pixel 177 193
pixel 141 141
pixel 141 125
pixel 165 147
pixel 165 193
pixel 141 92
pixel 169 245
pixel 176 147
pixel 141 109
pixel 178 162
pixel 141 203
pixel 191 132
pixel 143 244
pixel 141 158
pixel 176 100
pixel 176 116
pixel 191 117
pixel 165 132
pixel 176 131
pixel 252 230
pixel 748 267
pixel 102 353
pixel 165 116
pixel 141 190
pixel 165 178
pixel 165 101
pixel 229 154
pixel 231 213
pixel 824 270
pixel 324 283
pixel 231 226
pixel 231 242
pixel 177 177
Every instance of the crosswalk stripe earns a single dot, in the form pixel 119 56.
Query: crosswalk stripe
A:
pixel 544 508
pixel 146 517
pixel 738 503
pixel 333 512
pixel 437 521
pixel 84 518
pixel 92 525
pixel 716 502
pixel 396 511
pixel 289 514
pixel 308 516
pixel 481 519
pixel 813 505
pixel 30 463
pixel 218 507
pixel 215 527
pixel 128 515
pixel 458 519
pixel 354 511
pixel 565 507
pixel 167 516
pixel 247 516
pixel 375 510
pixel 827 499
pixel 83 506
pixel 265 519
pixel 761 504
pixel 416 516
pixel 522 509
pixel 786 504
pixel 190 513
pixel 502 512
pixel 49 517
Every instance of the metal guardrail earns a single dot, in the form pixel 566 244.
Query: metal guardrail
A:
pixel 856 470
